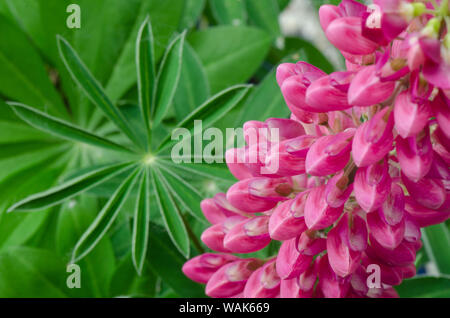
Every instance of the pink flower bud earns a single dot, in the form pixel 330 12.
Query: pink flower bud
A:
pixel 202 267
pixel 294 87
pixel 213 236
pixel 263 283
pixel 287 128
pixel 235 159
pixel 439 168
pixel 388 236
pixel 345 243
pixel 366 88
pixel 425 216
pixel 258 194
pixel 373 139
pixel 392 210
pixel 285 155
pixel 403 255
pixel 249 236
pixel 231 278
pixel 287 221
pixel 217 209
pixel 331 285
pixel 415 155
pixel 337 191
pixel 290 261
pixel 410 118
pixel 329 93
pixel 372 185
pixel 434 196
pixel 327 14
pixel 412 229
pixel 441 108
pixel 329 154
pixel 318 214
pixel 255 132
pixel 346 34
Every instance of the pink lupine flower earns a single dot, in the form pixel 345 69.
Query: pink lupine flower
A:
pixel 287 219
pixel 263 283
pixel 230 279
pixel 363 165
pixel 329 93
pixel 202 267
pixel 249 236
pixel 415 155
pixel 329 154
pixel 373 139
pixel 410 117
pixel 213 236
pixel 331 285
pixel 318 213
pixel 258 194
pixel 366 88
pixel 372 186
pixel 345 244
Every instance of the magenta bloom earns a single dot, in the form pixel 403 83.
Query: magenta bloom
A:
pixel 361 165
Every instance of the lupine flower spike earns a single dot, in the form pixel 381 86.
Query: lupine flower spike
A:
pixel 363 164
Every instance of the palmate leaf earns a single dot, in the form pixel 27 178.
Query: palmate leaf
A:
pixel 69 189
pixel 212 110
pixel 93 89
pixel 168 78
pixel 145 63
pixel 170 214
pixel 185 193
pixel 104 219
pixel 65 130
pixel 141 223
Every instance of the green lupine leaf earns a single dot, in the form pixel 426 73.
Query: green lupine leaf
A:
pixel 92 88
pixel 230 54
pixel 191 13
pixel 145 62
pixel 231 12
pixel 171 215
pixel 29 272
pixel 168 78
pixel 141 223
pixel 215 172
pixel 212 110
pixel 126 282
pixel 436 240
pixel 165 17
pixel 69 189
pixel 65 130
pixel 104 220
pixel 22 73
pixel 73 219
pixel 264 14
pixel 185 193
pixel 193 87
pixel 166 262
pixel 425 287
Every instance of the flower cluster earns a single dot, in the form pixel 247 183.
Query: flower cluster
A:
pixel 363 164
